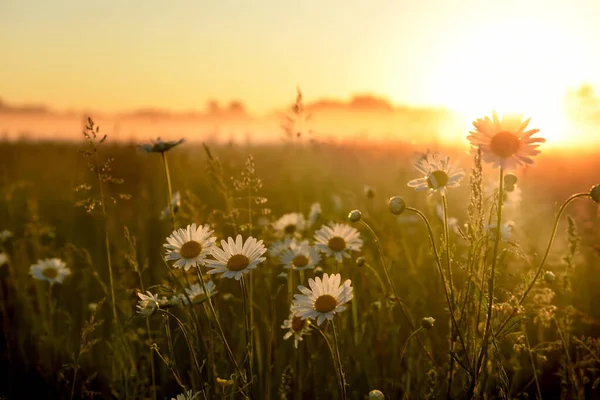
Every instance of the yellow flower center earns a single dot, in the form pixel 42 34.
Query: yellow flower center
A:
pixel 191 249
pixel 297 324
pixel 437 179
pixel 238 262
pixel 300 261
pixel 505 144
pixel 337 243
pixel 325 303
pixel 50 272
pixel 289 229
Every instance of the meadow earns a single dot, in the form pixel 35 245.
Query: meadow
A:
pixel 434 298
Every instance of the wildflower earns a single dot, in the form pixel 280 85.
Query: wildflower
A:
pixel 296 327
pixel 354 216
pixel 549 276
pixel 148 304
pixel 290 224
pixel 187 395
pixel 376 395
pixel 175 204
pixel 505 143
pixel 314 214
pixel 427 323
pixel 282 277
pixel 595 193
pixel 236 257
pixel 369 192
pixel 300 257
pixel 324 299
pixel 196 293
pixel 224 382
pixel 505 230
pixel 53 270
pixel 439 174
pixel 396 205
pixel 3 259
pixel 280 246
pixel 189 247
pixel 337 240
pixel 158 146
pixel 361 261
pixel 5 235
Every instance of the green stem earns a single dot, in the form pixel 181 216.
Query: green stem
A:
pixel 248 329
pixel 333 359
pixel 169 189
pixel 339 361
pixel 406 344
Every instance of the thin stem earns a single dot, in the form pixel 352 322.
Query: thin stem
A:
pixel 406 343
pixel 444 284
pixel 169 189
pixel 333 358
pixel 248 331
pixel 533 368
pixel 492 280
pixel 541 266
pixel 222 334
pixel 452 300
pixel 339 361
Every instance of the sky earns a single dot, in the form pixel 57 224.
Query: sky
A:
pixel 469 55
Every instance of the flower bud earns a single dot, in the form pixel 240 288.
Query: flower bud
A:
pixel 595 193
pixel 282 278
pixel 354 216
pixel 369 192
pixel 376 395
pixel 549 276
pixel 361 261
pixel 427 323
pixel 510 179
pixel 318 271
pixel 396 205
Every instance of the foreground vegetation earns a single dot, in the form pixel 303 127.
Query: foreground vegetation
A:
pixel 97 302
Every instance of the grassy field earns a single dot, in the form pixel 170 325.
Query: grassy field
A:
pixel 420 323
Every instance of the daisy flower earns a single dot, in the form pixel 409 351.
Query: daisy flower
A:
pixel 175 203
pixel 337 240
pixel 187 395
pixel 52 270
pixel 290 224
pixel 324 299
pixel 236 257
pixel 300 257
pixel 280 246
pixel 148 304
pixel 196 293
pixel 438 172
pixel 314 214
pixel 158 146
pixel 505 143
pixel 189 247
pixel 296 327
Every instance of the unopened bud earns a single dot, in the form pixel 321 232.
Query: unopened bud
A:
pixel 595 193
pixel 376 395
pixel 549 276
pixel 427 322
pixel 510 179
pixel 396 205
pixel 361 261
pixel 354 216
pixel 369 192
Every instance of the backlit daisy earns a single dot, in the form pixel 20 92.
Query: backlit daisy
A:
pixel 236 257
pixel 337 240
pixel 300 257
pixel 290 224
pixel 196 293
pixel 505 142
pixel 438 172
pixel 148 304
pixel 175 204
pixel 296 327
pixel 324 299
pixel 52 270
pixel 189 247
pixel 279 246
pixel 159 146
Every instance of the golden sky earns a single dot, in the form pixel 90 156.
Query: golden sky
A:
pixel 470 55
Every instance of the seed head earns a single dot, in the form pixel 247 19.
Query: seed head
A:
pixel 354 216
pixel 595 193
pixel 427 323
pixel 361 261
pixel 396 205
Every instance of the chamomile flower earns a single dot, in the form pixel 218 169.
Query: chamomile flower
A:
pixel 187 395
pixel 159 146
pixel 505 142
pixel 324 299
pixel 338 240
pixel 438 172
pixel 175 204
pixel 300 257
pixel 296 327
pixel 148 304
pixel 53 270
pixel 236 257
pixel 290 224
pixel 280 246
pixel 196 293
pixel 189 247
